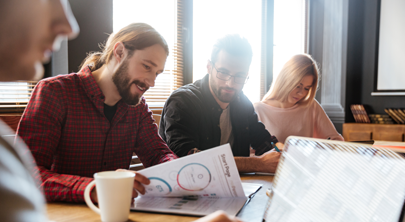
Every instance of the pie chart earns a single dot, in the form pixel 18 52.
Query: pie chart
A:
pixel 194 177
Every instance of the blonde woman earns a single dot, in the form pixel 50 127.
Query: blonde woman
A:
pixel 290 108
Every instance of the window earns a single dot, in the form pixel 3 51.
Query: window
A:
pixel 165 20
pixel 214 19
pixel 289 31
pixel 14 96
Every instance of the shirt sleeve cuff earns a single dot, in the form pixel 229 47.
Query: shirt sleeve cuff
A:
pixel 78 195
pixel 266 146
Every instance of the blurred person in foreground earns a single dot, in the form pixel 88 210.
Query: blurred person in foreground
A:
pixel 29 30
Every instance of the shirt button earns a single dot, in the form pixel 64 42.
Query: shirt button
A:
pixel 207 138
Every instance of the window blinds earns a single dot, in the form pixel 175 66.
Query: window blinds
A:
pixel 172 78
pixel 14 96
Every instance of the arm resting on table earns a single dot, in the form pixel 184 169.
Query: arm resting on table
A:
pixel 266 163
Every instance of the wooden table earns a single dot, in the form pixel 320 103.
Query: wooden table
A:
pixel 253 211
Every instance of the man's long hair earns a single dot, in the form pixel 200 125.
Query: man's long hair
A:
pixel 135 36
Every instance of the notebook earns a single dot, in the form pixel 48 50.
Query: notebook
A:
pixel 324 180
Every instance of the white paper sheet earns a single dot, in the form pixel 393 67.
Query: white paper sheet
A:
pixel 197 207
pixel 198 185
pixel 210 173
pixel 388 143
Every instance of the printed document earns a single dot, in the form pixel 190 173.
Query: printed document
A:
pixel 197 184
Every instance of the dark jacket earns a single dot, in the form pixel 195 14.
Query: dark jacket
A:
pixel 190 119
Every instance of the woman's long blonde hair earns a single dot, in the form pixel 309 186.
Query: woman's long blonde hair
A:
pixel 291 75
pixel 135 36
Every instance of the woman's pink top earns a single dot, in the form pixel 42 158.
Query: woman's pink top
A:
pixel 309 121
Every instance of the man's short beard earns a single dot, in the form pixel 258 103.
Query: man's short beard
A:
pixel 217 92
pixel 123 84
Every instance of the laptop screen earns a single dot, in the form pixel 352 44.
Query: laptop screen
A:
pixel 323 180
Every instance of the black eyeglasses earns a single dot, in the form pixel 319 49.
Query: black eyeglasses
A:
pixel 226 77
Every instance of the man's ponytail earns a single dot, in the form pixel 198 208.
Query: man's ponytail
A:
pixel 135 36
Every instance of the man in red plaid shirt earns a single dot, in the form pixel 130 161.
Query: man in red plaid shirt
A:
pixel 78 124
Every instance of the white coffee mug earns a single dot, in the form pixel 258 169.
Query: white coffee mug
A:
pixel 114 193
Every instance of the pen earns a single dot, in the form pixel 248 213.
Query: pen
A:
pixel 252 195
pixel 275 147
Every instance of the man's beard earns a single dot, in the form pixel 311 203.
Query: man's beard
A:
pixel 218 92
pixel 123 84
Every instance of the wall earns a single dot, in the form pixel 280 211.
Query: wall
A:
pixel 362 60
pixel 95 21
pixel 328 33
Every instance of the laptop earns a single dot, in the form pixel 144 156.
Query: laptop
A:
pixel 324 180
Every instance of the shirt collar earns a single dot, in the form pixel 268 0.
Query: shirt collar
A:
pixel 208 97
pixel 89 83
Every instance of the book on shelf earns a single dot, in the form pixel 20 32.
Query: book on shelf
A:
pixel 396 114
pixel 400 113
pixel 380 118
pixel 379 115
pixel 359 113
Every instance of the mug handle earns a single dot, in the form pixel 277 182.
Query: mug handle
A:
pixel 87 198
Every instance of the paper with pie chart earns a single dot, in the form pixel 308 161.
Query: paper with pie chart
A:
pixel 210 173
pixel 197 185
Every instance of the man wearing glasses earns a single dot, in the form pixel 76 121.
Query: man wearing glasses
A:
pixel 214 111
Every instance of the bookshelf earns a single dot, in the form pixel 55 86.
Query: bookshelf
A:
pixel 370 131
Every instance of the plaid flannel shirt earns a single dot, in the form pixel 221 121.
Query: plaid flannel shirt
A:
pixel 70 138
